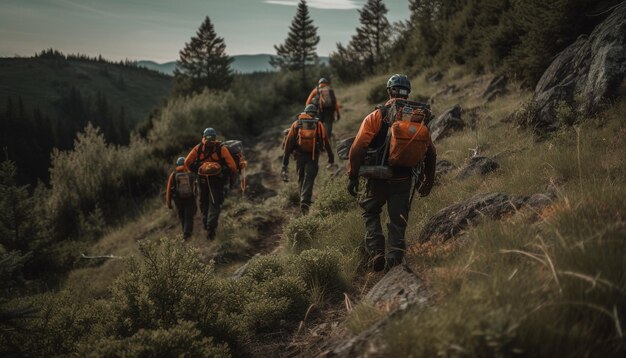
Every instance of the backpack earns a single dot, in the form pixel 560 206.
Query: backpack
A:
pixel 325 98
pixel 308 135
pixel 408 136
pixel 235 148
pixel 184 188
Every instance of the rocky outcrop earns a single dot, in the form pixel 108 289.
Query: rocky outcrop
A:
pixel 453 220
pixel 448 121
pixel 443 167
pixel 496 87
pixel 584 75
pixel 398 290
pixel 478 166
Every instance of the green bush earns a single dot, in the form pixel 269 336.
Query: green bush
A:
pixel 378 94
pixel 265 268
pixel 301 232
pixel 320 269
pixel 333 198
pixel 182 340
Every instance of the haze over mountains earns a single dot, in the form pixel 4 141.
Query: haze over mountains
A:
pixel 241 64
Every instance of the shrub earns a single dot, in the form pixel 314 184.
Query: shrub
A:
pixel 265 268
pixel 378 93
pixel 320 268
pixel 184 339
pixel 333 198
pixel 300 232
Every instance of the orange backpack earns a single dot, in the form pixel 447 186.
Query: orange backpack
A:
pixel 309 135
pixel 408 136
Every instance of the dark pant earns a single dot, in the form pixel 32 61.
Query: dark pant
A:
pixel 186 211
pixel 307 168
pixel 328 117
pixel 394 193
pixel 211 199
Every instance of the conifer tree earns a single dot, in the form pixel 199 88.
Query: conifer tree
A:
pixel 203 62
pixel 372 37
pixel 298 50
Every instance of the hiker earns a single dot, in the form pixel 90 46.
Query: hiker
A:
pixel 396 132
pixel 306 139
pixel 180 190
pixel 215 168
pixel 323 96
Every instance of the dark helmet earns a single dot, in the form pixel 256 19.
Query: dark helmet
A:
pixel 399 81
pixel 210 134
pixel 323 80
pixel 310 109
pixel 180 161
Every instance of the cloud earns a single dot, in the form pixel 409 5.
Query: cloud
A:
pixel 320 4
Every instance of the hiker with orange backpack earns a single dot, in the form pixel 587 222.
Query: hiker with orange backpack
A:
pixel 323 96
pixel 180 189
pixel 393 146
pixel 306 139
pixel 215 167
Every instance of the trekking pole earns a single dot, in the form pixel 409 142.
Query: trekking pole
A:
pixel 416 186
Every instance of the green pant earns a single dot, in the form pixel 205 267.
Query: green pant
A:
pixel 394 193
pixel 211 199
pixel 307 169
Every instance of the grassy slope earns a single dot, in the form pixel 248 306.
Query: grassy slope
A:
pixel 41 83
pixel 563 290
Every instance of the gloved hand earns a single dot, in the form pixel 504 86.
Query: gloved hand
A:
pixel 284 174
pixel 353 186
pixel 425 188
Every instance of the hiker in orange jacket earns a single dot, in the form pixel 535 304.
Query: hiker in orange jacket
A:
pixel 215 167
pixel 180 190
pixel 323 96
pixel 306 139
pixel 393 188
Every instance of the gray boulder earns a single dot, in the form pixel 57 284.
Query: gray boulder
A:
pixel 443 167
pixel 453 220
pixel 496 87
pixel 448 121
pixel 584 75
pixel 478 166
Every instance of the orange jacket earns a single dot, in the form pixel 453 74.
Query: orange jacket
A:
pixel 206 153
pixel 171 185
pixel 369 129
pixel 291 143
pixel 314 93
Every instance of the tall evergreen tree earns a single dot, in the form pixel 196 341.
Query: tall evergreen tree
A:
pixel 372 37
pixel 298 50
pixel 203 62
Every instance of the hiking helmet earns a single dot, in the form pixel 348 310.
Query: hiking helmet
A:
pixel 399 85
pixel 323 80
pixel 210 134
pixel 180 161
pixel 310 109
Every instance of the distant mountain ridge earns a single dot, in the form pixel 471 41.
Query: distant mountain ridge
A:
pixel 241 64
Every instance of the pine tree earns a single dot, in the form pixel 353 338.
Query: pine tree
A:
pixel 372 37
pixel 203 62
pixel 298 50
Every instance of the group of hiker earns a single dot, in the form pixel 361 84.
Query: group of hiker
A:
pixel 392 150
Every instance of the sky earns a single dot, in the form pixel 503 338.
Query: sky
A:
pixel 157 29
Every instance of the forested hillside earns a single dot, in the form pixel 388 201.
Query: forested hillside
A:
pixel 47 99
pixel 518 250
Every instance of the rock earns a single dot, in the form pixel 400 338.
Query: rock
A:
pixel 495 87
pixel 443 167
pixel 478 166
pixel 585 75
pixel 453 220
pixel 435 77
pixel 400 287
pixel 255 190
pixel 448 121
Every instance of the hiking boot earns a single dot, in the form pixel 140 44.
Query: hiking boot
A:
pixel 186 237
pixel 392 262
pixel 377 263
pixel 304 209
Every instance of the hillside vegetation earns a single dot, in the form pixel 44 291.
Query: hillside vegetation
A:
pixel 94 264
